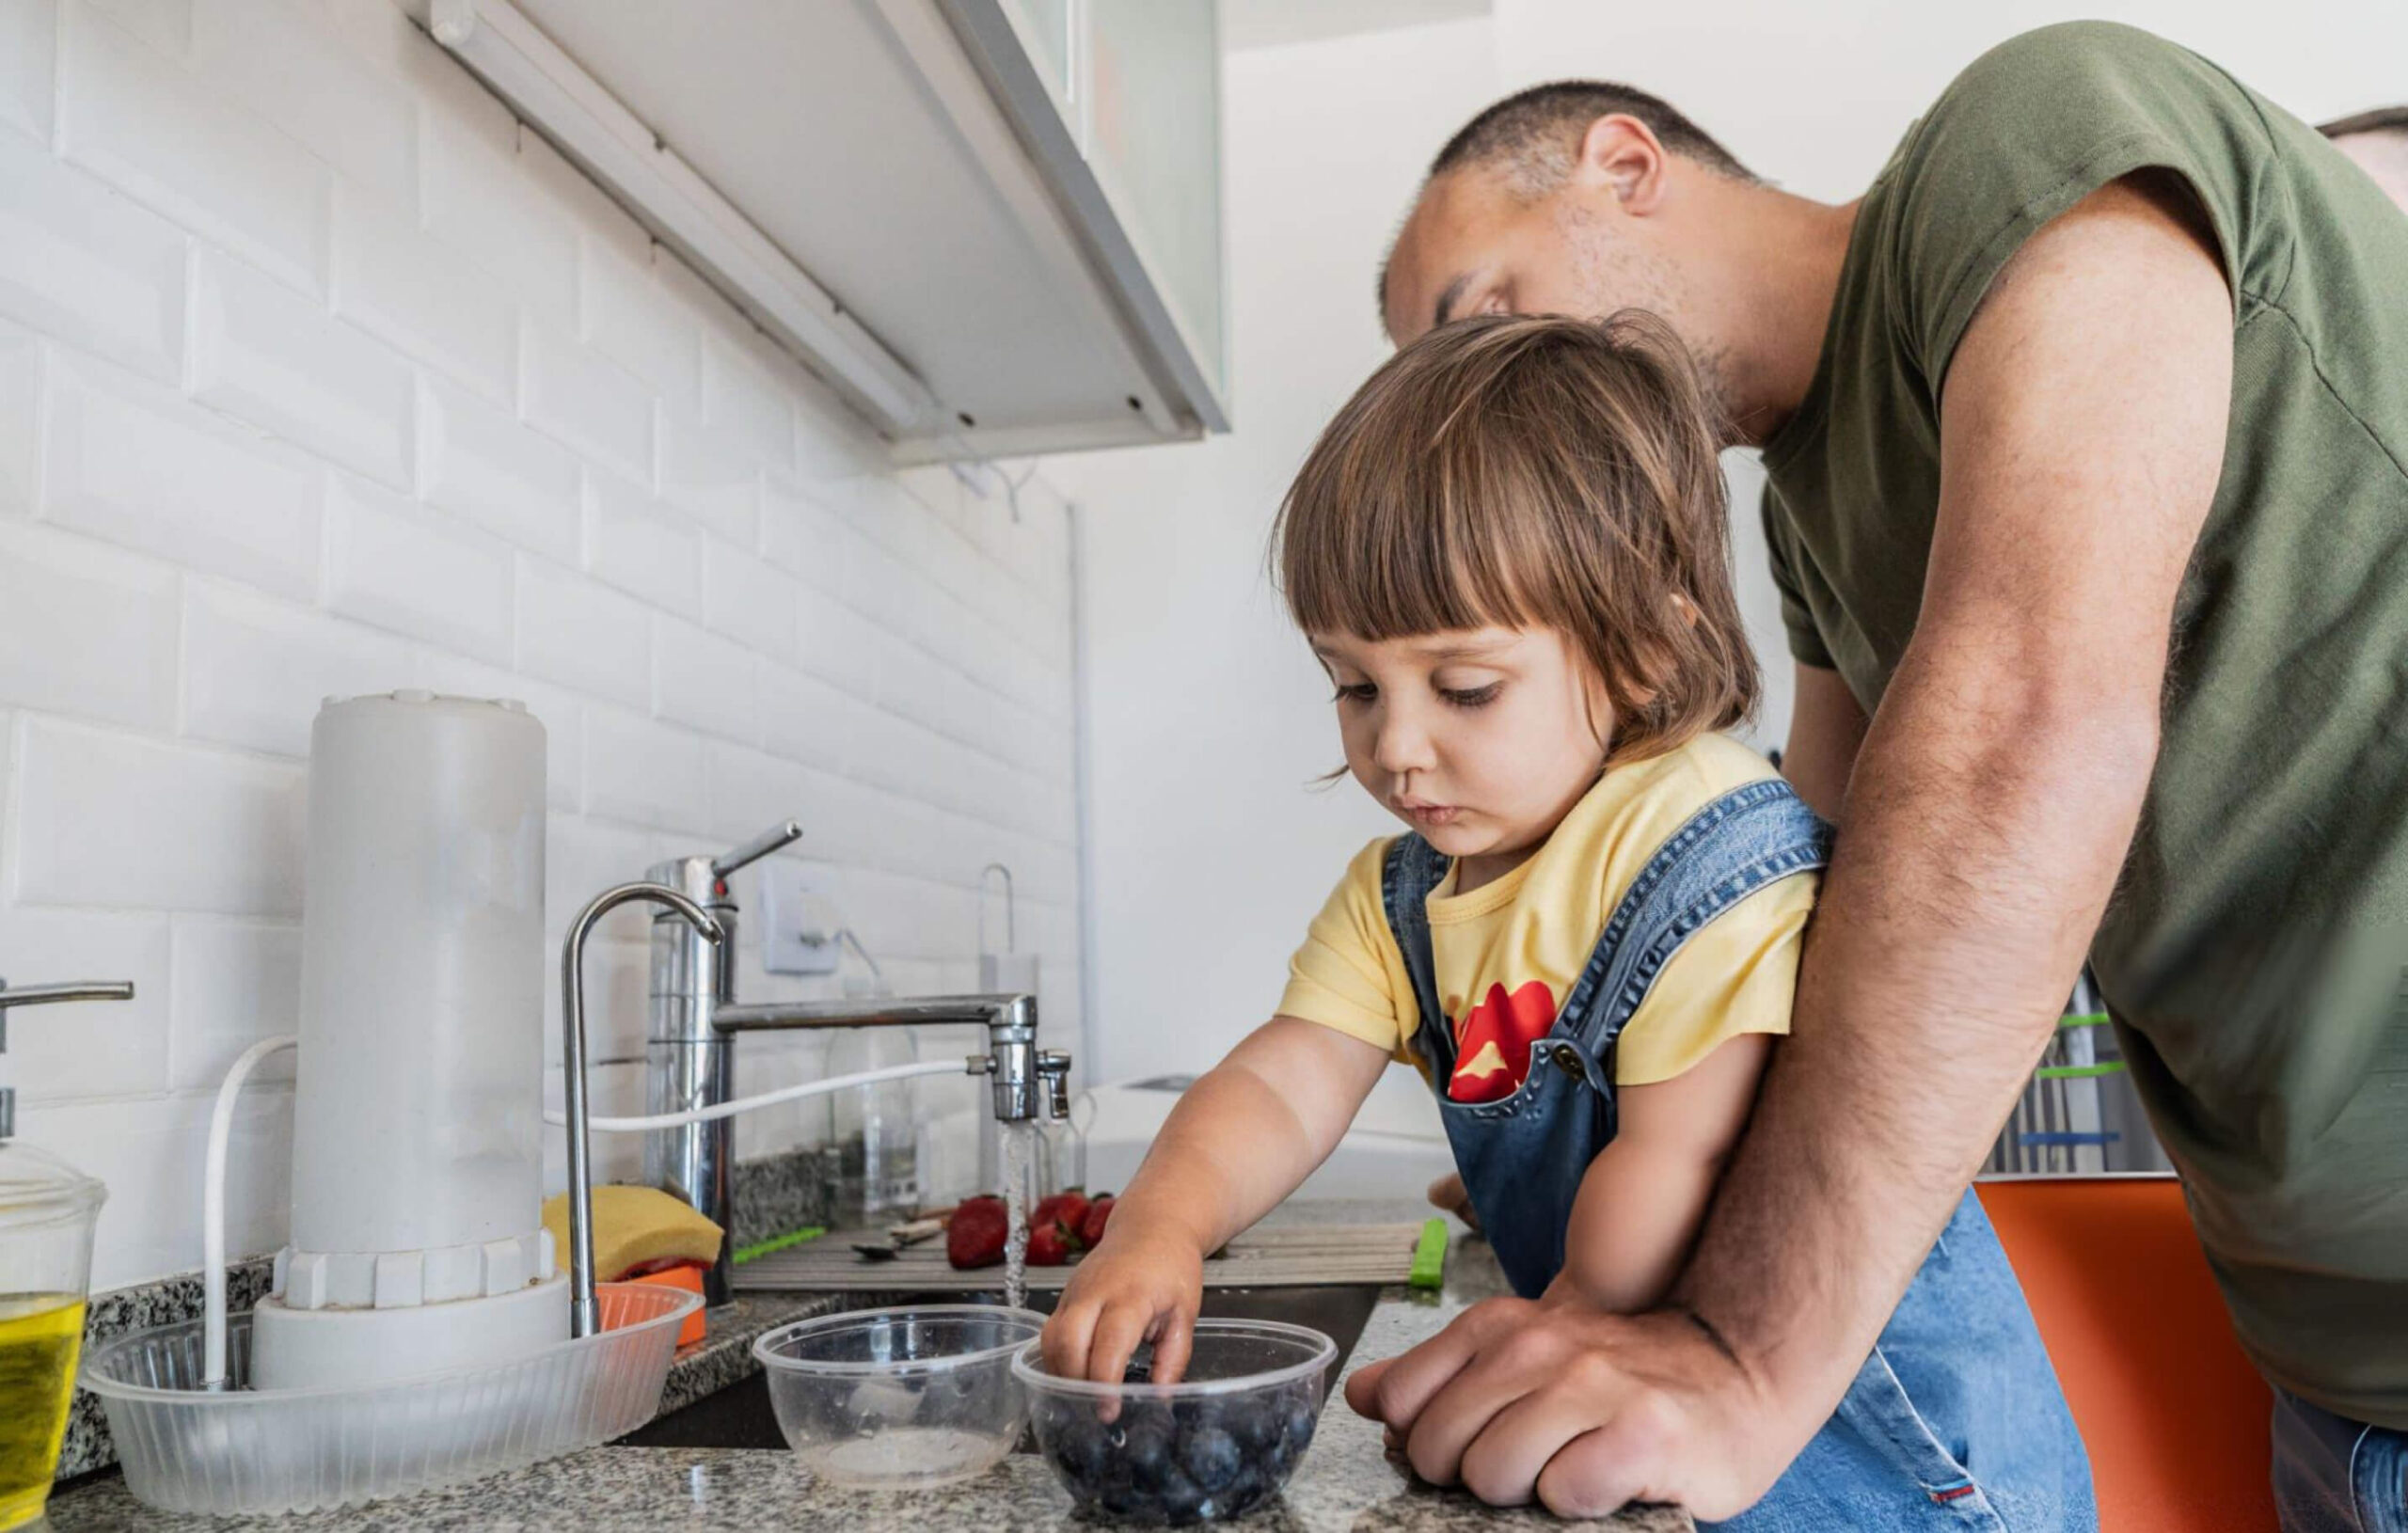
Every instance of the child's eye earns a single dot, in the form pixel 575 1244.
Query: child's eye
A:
pixel 1361 691
pixel 1478 697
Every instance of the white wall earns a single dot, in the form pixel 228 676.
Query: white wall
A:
pixel 318 376
pixel 1207 716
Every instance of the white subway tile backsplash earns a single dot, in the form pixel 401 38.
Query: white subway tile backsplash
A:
pixel 552 180
pixel 256 669
pixel 282 60
pixel 749 789
pixel 149 1153
pixel 139 121
pixel 838 646
pixel 480 204
pixel 111 820
pixel 165 25
pixel 804 537
pixel 117 1049
pixel 401 567
pixel 420 296
pixel 584 635
pixel 81 263
pixel 28 66
pixel 805 719
pixel 85 629
pixel 21 394
pixel 137 465
pixel 512 482
pixel 629 318
pixel 641 772
pixel 747 600
pixel 585 400
pixel 712 477
pixel 637 545
pixel 266 354
pixel 743 399
pixel 705 681
pixel 235 983
pixel 695 570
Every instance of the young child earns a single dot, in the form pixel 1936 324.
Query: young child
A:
pixel 1508 552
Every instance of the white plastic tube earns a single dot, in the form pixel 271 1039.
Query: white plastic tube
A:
pixel 212 1209
pixel 767 1099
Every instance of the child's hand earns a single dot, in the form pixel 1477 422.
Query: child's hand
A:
pixel 1140 1283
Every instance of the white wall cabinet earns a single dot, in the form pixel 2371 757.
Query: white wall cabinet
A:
pixel 994 226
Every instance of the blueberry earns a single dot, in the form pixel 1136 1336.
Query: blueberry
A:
pixel 1212 1459
pixel 1256 1427
pixel 1147 1452
pixel 1079 1446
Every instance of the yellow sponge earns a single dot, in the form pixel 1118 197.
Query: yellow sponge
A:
pixel 633 1225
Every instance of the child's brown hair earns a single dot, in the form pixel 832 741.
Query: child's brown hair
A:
pixel 1522 471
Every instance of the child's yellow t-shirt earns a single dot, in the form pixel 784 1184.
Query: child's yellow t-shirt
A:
pixel 1507 954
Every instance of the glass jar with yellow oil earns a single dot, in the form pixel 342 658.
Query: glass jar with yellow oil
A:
pixel 47 1209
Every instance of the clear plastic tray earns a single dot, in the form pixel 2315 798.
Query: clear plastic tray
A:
pixel 185 1450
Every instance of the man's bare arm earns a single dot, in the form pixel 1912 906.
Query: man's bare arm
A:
pixel 2083 431
pixel 1826 730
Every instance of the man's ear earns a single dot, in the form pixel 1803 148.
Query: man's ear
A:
pixel 1619 154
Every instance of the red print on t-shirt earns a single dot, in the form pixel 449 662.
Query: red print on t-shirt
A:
pixel 1493 1044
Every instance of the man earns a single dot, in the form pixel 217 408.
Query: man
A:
pixel 2085 429
pixel 2378 141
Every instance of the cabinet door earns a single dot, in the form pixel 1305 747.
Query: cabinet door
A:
pixel 1153 118
pixel 1048 31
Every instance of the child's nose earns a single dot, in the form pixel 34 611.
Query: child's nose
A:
pixel 1402 745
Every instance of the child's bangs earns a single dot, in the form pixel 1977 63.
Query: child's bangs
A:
pixel 1404 524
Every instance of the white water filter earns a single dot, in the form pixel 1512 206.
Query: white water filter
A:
pixel 418 1241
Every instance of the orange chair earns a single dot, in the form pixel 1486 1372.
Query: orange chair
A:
pixel 2174 1418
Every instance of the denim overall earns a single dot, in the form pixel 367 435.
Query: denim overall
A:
pixel 1956 1420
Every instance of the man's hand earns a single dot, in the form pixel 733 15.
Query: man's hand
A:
pixel 1581 1410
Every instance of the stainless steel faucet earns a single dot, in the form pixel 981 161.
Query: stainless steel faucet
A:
pixel 37 995
pixel 694 1018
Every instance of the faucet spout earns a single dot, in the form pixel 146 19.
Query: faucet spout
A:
pixel 1027 1083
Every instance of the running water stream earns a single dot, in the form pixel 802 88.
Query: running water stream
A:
pixel 1014 1168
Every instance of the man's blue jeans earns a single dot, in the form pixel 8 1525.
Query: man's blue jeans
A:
pixel 2333 1474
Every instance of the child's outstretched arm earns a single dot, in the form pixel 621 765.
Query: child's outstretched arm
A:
pixel 1243 1137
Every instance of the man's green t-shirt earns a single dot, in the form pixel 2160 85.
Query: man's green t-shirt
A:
pixel 2253 955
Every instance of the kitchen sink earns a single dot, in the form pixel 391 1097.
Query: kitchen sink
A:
pixel 740 1416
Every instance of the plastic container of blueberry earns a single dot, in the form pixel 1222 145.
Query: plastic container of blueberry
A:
pixel 1214 1446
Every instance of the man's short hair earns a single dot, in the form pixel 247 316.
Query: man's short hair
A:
pixel 1535 134
pixel 2382 120
pixel 1534 137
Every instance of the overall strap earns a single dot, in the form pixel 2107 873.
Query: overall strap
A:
pixel 1412 869
pixel 1744 840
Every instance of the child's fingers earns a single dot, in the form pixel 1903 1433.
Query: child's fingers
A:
pixel 1066 1339
pixel 1173 1345
pixel 1363 1388
pixel 1117 1332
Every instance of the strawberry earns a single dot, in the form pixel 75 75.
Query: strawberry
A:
pixel 975 1236
pixel 1050 1245
pixel 1067 1209
pixel 1098 1215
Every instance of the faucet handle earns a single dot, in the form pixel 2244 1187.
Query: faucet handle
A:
pixel 783 833
pixel 1053 1068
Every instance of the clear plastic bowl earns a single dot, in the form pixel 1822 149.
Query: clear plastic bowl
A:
pixel 253 1452
pixel 1217 1444
pixel 900 1399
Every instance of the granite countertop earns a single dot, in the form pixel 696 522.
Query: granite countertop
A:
pixel 1347 1483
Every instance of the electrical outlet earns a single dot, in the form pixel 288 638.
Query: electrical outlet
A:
pixel 799 917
